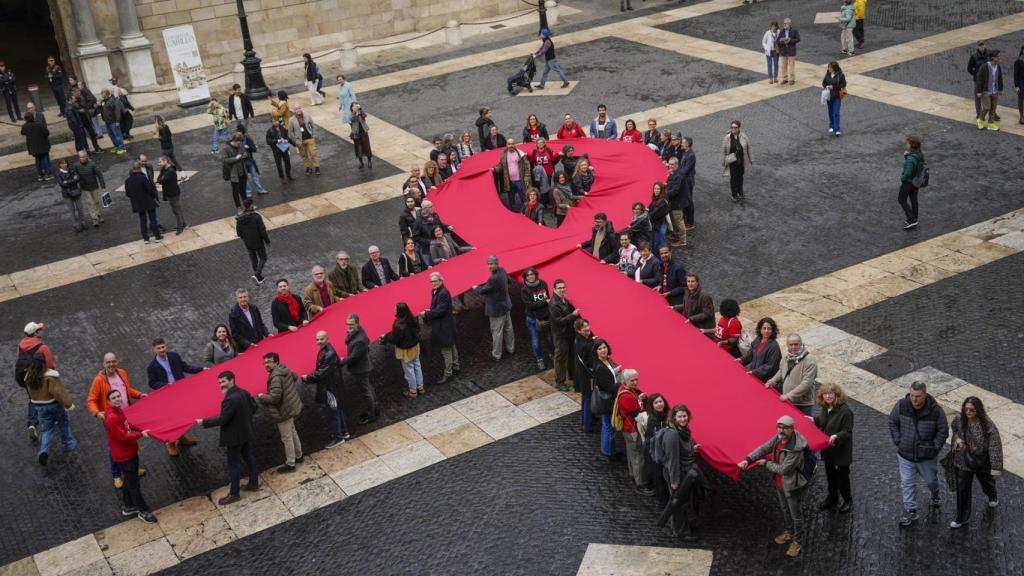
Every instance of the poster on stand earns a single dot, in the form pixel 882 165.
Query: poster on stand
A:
pixel 186 64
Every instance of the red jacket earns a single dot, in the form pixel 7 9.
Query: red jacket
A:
pixel 632 137
pixel 629 407
pixel 570 133
pixel 124 444
pixel 29 342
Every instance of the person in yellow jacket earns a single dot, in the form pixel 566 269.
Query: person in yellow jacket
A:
pixel 859 9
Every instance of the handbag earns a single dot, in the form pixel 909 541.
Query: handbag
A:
pixel 730 158
pixel 842 93
pixel 949 470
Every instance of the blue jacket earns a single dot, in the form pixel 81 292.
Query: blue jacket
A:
pixel 158 375
pixel 919 435
pixel 676 287
pixel 794 39
pixel 497 302
pixel 611 131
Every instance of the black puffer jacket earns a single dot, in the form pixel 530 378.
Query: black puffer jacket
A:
pixel 918 434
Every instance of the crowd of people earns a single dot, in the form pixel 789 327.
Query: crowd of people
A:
pixel 544 185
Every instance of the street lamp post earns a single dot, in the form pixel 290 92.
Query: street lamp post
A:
pixel 255 87
pixel 542 11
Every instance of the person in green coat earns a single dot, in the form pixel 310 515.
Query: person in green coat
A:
pixel 912 160
pixel 836 421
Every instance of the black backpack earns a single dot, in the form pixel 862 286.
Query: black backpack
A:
pixel 921 175
pixel 23 362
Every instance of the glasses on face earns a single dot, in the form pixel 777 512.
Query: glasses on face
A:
pixel 734 127
pixel 342 259
pixel 318 274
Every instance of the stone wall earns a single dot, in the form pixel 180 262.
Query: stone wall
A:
pixel 287 28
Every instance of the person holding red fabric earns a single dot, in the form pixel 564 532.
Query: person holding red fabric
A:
pixel 697 307
pixel 569 129
pixel 287 311
pixel 533 209
pixel 629 402
pixel 763 357
pixel 631 135
pixel 544 156
pixel 729 328
pixel 534 130
pixel 124 452
pixel 783 456
pixel 111 378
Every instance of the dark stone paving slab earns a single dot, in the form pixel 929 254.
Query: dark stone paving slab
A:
pixel 531 503
pixel 947 72
pixel 28 207
pixel 182 299
pixel 816 203
pixel 626 76
pixel 969 325
pixel 888 23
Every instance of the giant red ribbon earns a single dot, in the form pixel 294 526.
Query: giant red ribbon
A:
pixel 732 411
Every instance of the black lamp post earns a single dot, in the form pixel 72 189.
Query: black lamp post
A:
pixel 255 87
pixel 542 11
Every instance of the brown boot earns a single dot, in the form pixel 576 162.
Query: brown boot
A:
pixel 172 450
pixel 784 537
pixel 794 549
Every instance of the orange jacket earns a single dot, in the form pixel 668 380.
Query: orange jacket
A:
pixel 101 386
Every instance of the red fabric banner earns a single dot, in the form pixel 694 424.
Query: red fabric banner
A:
pixel 732 411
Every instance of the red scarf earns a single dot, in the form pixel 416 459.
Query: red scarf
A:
pixel 530 207
pixel 293 305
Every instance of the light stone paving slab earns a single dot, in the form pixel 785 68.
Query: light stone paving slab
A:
pixel 211 533
pixel 247 497
pixel 146 559
pixel 476 407
pixel 391 438
pixel 256 516
pixel 618 560
pixel 351 453
pixel 73 555
pixel 23 567
pixel 505 422
pixel 413 457
pixel 938 382
pixel 437 421
pixel 97 568
pixel 312 495
pixel 820 335
pixel 462 439
pixel 307 471
pixel 553 88
pixel 854 350
pixel 551 407
pixel 127 535
pixel 363 476
pixel 525 390
pixel 1013 240
pixel 186 513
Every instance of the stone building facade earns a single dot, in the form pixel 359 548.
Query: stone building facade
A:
pixel 124 37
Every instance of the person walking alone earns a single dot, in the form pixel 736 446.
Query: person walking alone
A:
pixel 314 80
pixel 547 48
pixel 72 193
pixel 736 158
pixel 913 163
pixel 835 83
pixel 250 228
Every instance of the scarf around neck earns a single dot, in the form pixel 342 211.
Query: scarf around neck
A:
pixel 293 305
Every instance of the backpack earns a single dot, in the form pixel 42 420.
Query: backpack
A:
pixel 617 420
pixel 23 362
pixel 657 447
pixel 921 175
pixel 810 462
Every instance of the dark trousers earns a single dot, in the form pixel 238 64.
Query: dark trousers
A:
pixel 688 215
pixel 858 31
pixel 80 139
pixel 1020 101
pixel 588 417
pixel 736 178
pixel 838 478
pixel 908 200
pixel 238 190
pixel 132 492
pixel 964 480
pixel 285 160
pixel 169 153
pixel 127 121
pixel 681 498
pixel 235 456
pixel 369 396
pixel 149 216
pixel 563 360
pixel 58 95
pixel 258 259
pixel 91 131
pixel 12 106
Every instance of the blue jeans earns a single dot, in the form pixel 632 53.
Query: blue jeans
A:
pixel 539 342
pixel 908 476
pixel 115 135
pixel 235 454
pixel 253 181
pixel 33 418
pixel 516 193
pixel 658 234
pixel 773 64
pixel 834 104
pixel 97 127
pixel 154 226
pixel 43 166
pixel 50 416
pixel 80 139
pixel 549 66
pixel 425 256
pixel 588 418
pixel 338 423
pixel 607 435
pixel 413 374
pixel 220 135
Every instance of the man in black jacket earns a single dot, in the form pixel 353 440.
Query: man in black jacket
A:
pixel 236 434
pixel 377 271
pixel 142 193
pixel 250 228
pixel 167 367
pixel 673 277
pixel 9 90
pixel 698 308
pixel 563 316
pixel 91 182
pixel 602 240
pixel 423 230
pixel 537 301
pixel 919 430
pixel 978 58
pixel 674 192
pixel 168 181
pixel 988 86
pixel 442 326
pixel 246 322
pixel 239 106
pixel 357 361
pixel 498 308
pixel 277 135
pixel 327 378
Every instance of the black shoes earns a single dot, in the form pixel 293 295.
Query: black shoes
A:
pixel 910 225
pixel 828 504
pixel 846 507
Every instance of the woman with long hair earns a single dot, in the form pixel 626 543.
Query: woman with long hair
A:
pixel 533 209
pixel 649 423
pixel 836 421
pixel 221 347
pixel 763 357
pixel 409 261
pixel 314 80
pixel 679 464
pixel 465 145
pixel 583 177
pixel 658 212
pixel 163 133
pixel 606 384
pixel 280 110
pixel 50 402
pixel 835 83
pixel 431 176
pixel 977 453
pixel 405 335
pixel 534 129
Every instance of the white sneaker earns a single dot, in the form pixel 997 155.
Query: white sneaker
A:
pixel 993 503
pixel 830 130
pixel 954 524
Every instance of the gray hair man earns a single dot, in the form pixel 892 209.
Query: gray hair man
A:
pixel 498 308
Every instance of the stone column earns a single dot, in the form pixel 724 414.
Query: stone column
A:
pixel 92 54
pixel 136 48
pixel 453 33
pixel 349 56
pixel 552 7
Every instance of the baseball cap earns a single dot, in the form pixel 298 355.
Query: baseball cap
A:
pixel 33 327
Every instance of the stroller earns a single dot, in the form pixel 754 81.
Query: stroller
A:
pixel 523 77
